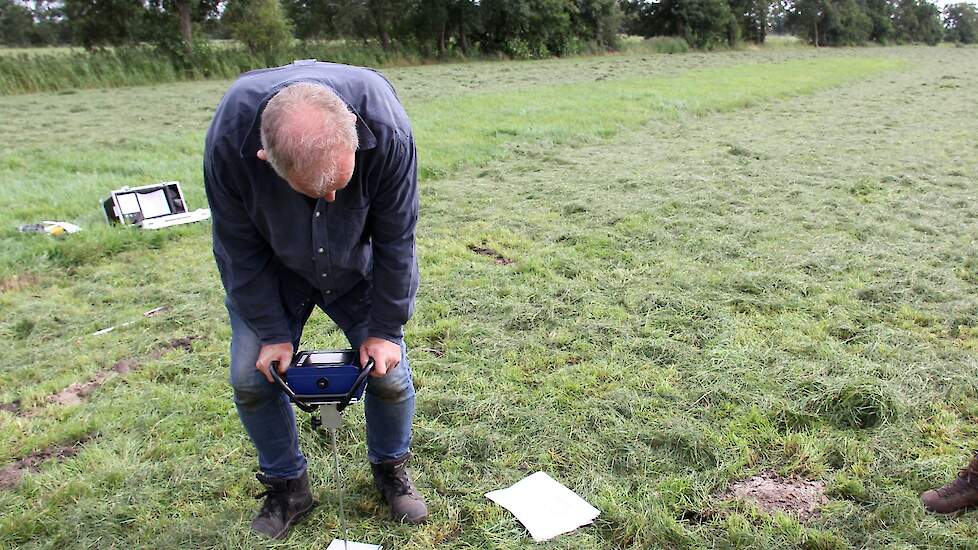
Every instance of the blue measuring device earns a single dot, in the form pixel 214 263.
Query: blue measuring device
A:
pixel 330 377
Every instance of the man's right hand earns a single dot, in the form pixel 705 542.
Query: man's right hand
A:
pixel 272 353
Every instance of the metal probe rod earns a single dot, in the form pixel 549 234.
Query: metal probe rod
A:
pixel 339 486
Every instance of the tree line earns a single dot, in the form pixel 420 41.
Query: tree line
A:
pixel 515 28
pixel 723 23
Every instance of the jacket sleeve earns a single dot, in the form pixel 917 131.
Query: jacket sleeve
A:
pixel 393 218
pixel 245 261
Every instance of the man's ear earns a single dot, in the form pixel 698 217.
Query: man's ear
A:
pixel 261 155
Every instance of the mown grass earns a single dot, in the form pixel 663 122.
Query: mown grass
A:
pixel 701 293
pixel 495 121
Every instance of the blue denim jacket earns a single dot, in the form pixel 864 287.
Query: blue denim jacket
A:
pixel 278 251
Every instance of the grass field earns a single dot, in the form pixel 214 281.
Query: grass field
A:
pixel 649 276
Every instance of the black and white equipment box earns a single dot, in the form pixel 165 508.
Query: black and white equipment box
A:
pixel 151 206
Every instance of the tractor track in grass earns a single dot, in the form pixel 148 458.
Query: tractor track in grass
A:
pixel 11 474
pixel 78 392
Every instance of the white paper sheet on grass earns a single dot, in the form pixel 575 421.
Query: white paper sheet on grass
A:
pixel 544 506
pixel 337 544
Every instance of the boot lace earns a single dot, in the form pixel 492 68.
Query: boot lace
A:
pixel 967 480
pixel 275 495
pixel 398 480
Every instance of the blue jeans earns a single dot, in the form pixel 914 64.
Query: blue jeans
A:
pixel 269 419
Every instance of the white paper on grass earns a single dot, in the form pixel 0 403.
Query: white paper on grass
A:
pixel 337 544
pixel 154 204
pixel 544 506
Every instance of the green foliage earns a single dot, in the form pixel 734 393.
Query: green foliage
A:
pixel 599 21
pixel 16 22
pixel 752 18
pixel 98 23
pixel 38 23
pixel 831 22
pixel 961 23
pixel 880 13
pixel 706 24
pixel 703 24
pixel 520 29
pixel 312 19
pixel 260 25
pixel 855 22
pixel 845 23
pixel 918 21
pixel 525 29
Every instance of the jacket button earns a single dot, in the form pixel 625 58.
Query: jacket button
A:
pixel 321 250
pixel 323 275
pixel 317 213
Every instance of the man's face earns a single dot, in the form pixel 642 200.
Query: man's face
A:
pixel 312 185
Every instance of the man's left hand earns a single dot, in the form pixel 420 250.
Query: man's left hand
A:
pixel 386 355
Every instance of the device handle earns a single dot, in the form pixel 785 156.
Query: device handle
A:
pixel 273 369
pixel 361 380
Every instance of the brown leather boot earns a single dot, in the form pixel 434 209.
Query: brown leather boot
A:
pixel 956 496
pixel 286 502
pixel 392 480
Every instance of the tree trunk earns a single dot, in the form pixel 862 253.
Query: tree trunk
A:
pixel 441 39
pixel 816 31
pixel 762 32
pixel 186 30
pixel 379 10
pixel 463 42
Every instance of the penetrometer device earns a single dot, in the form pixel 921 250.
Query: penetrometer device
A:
pixel 324 383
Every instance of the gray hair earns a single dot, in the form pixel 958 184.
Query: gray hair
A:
pixel 307 153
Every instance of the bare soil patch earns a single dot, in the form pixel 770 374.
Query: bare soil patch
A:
pixel 434 351
pixel 11 475
pixel 77 392
pixel 773 493
pixel 17 282
pixel 185 343
pixel 486 251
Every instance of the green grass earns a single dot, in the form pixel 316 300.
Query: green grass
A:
pixel 52 50
pixel 721 264
pixel 496 124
